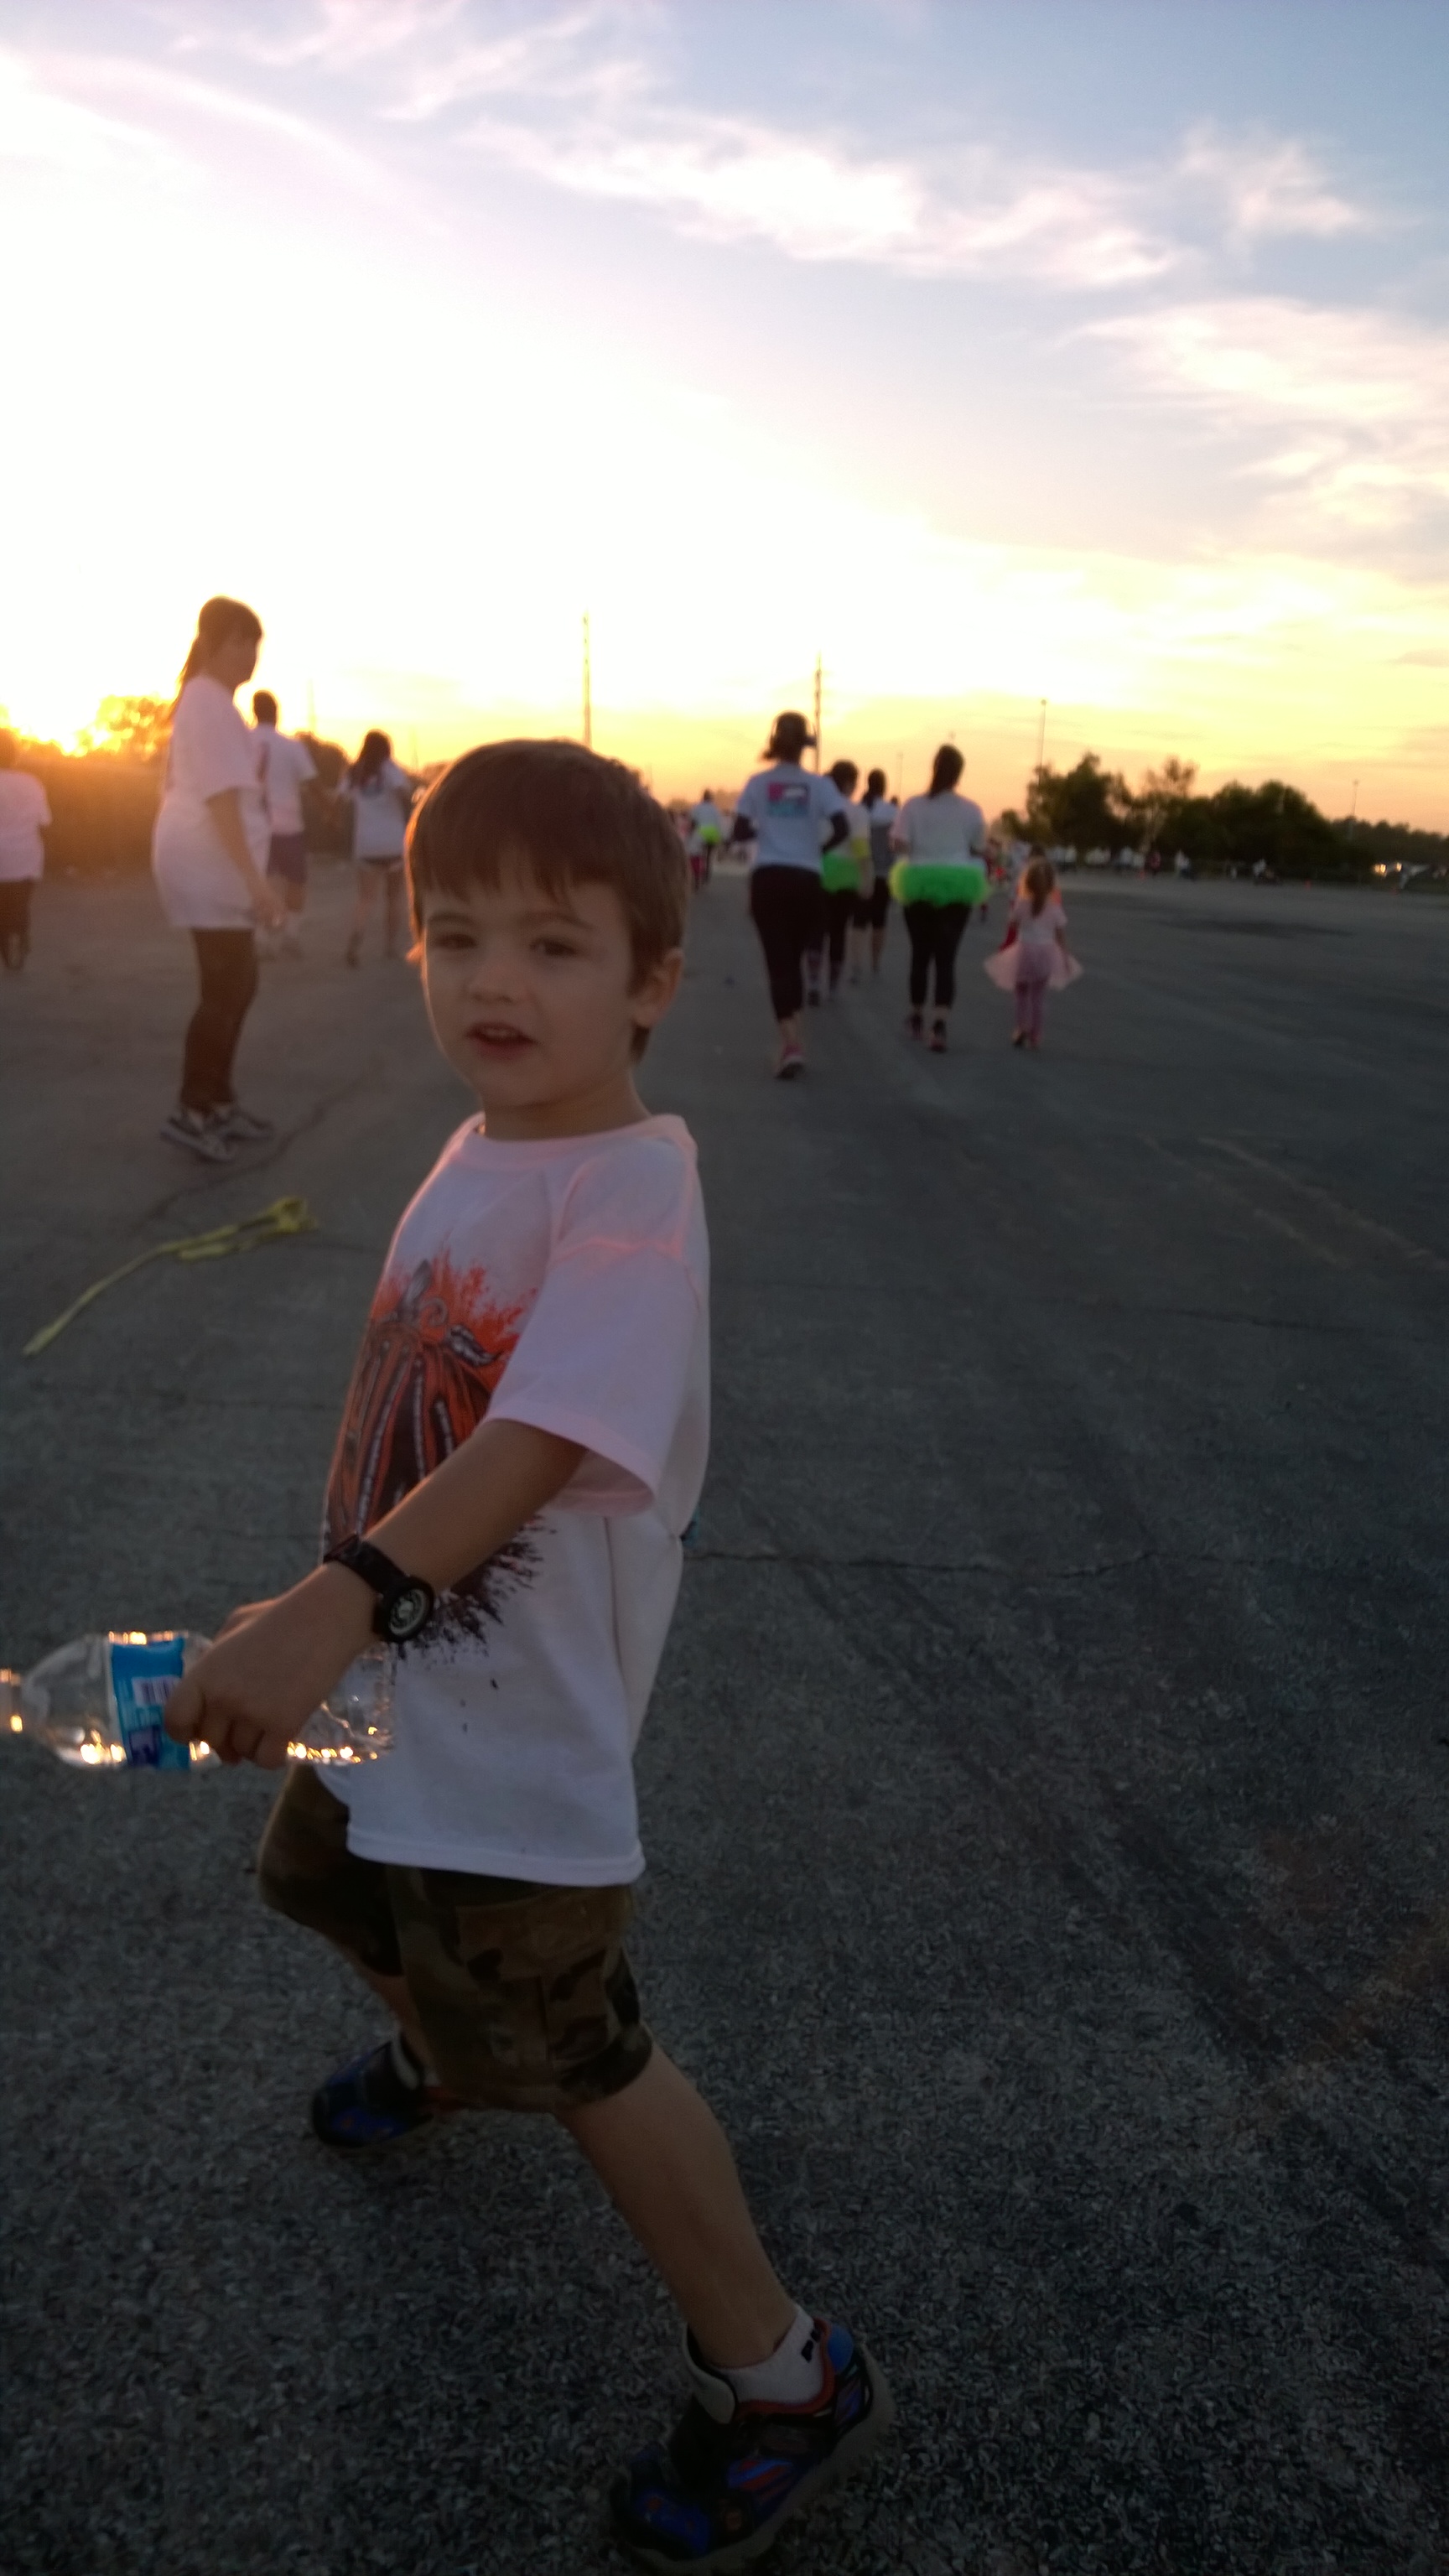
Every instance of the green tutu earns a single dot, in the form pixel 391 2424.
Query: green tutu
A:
pixel 921 881
pixel 840 871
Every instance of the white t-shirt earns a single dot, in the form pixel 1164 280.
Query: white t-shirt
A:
pixel 285 766
pixel 789 807
pixel 567 1285
pixel 705 818
pixel 941 831
pixel 1038 929
pixel 879 818
pixel 201 888
pixel 24 808
pixel 382 805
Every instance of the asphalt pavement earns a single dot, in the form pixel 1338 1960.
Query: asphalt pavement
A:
pixel 1046 1792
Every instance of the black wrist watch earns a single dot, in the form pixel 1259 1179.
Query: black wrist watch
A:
pixel 405 1603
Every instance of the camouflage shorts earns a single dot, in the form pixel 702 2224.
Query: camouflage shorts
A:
pixel 524 1993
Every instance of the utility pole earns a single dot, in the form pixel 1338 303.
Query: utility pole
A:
pixel 819 695
pixel 311 710
pixel 1041 739
pixel 588 690
pixel 900 773
pixel 1353 809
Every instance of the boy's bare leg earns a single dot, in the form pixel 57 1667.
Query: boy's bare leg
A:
pixel 664 2160
pixel 394 1993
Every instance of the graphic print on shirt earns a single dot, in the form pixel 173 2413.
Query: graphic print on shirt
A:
pixel 434 1349
pixel 789 798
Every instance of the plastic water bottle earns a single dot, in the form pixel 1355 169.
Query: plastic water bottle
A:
pixel 354 1722
pixel 99 1703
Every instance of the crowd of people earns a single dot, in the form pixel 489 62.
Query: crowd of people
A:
pixel 230 857
pixel 825 868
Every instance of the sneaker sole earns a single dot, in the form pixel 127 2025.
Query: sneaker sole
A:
pixel 849 2454
pixel 197 1145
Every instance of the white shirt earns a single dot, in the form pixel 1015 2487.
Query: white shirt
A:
pixel 24 809
pixel 284 766
pixel 382 805
pixel 789 806
pixel 564 1284
pixel 1037 930
pixel 879 818
pixel 201 888
pixel 705 817
pixel 941 831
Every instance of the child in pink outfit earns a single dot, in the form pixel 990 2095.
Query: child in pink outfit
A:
pixel 1034 953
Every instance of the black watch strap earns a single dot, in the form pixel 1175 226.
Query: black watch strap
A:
pixel 405 1603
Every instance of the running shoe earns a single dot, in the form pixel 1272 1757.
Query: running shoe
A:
pixel 936 1042
pixel 242 1128
pixel 200 1135
pixel 791 1064
pixel 718 2492
pixel 913 1024
pixel 367 2107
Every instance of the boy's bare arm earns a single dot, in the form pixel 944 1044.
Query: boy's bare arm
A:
pixel 251 1694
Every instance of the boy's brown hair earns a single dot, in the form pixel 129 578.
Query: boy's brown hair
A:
pixel 572 817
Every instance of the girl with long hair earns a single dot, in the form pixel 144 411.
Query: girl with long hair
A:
pixel 785 812
pixel 843 871
pixel 381 799
pixel 879 810
pixel 937 883
pixel 209 854
pixel 1034 954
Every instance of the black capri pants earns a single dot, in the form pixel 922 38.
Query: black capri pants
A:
pixel 227 963
pixel 787 909
pixel 935 934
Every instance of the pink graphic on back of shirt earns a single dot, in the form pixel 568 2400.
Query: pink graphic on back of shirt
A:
pixel 434 1349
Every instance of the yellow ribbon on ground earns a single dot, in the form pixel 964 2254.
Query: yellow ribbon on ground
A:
pixel 283 1217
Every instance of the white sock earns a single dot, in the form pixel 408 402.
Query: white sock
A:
pixel 793 2374
pixel 408 2068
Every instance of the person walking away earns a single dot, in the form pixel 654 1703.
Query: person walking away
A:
pixel 1034 955
pixel 24 815
pixel 209 853
pixel 783 811
pixel 521 1450
pixel 706 831
pixel 843 873
pixel 381 797
pixel 937 883
pixel 879 811
pixel 284 767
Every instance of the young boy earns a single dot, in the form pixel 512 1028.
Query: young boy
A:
pixel 523 1445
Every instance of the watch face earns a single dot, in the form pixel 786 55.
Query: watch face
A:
pixel 409 1611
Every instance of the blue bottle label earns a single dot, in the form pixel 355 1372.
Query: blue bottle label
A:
pixel 144 1673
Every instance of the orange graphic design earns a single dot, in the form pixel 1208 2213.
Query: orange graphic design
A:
pixel 435 1347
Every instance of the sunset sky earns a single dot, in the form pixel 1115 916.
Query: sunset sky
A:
pixel 1029 349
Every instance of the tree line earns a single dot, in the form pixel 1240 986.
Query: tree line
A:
pixel 103 796
pixel 1091 807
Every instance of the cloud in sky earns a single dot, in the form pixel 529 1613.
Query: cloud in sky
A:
pixel 1364 396
pixel 1150 454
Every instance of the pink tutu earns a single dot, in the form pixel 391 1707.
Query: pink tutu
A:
pixel 1050 966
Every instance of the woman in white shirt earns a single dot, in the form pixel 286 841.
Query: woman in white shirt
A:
pixel 24 815
pixel 381 799
pixel 880 812
pixel 209 853
pixel 787 813
pixel 937 883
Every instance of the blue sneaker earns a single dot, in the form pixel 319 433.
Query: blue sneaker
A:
pixel 367 2105
pixel 718 2492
